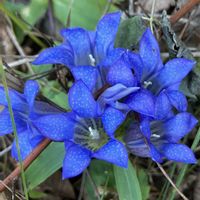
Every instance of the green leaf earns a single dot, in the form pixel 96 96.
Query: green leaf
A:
pixel 144 185
pixel 20 24
pixel 52 91
pixel 48 162
pixel 34 11
pixel 127 183
pixel 34 194
pixel 129 32
pixel 84 13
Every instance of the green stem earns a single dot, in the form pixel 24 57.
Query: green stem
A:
pixel 2 73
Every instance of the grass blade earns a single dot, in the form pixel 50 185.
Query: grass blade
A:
pixel 3 77
pixel 127 183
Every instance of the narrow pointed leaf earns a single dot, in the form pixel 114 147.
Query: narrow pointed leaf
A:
pixel 38 170
pixel 127 183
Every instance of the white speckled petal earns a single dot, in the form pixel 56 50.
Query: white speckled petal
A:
pixel 142 101
pixel 150 53
pixel 17 99
pixel 120 72
pixel 178 126
pixel 26 144
pixel 55 55
pixel 57 127
pixel 113 152
pixel 75 161
pixel 88 74
pixel 81 100
pixel 79 40
pixel 178 153
pixel 173 72
pixel 111 119
pixel 178 100
pixel 30 91
pixel 105 34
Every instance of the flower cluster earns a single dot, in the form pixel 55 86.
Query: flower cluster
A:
pixel 113 87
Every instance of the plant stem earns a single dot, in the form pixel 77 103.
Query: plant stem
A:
pixel 21 168
pixel 33 155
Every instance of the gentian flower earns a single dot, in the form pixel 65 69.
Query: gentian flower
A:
pixel 86 134
pixel 89 56
pixel 86 53
pixel 25 110
pixel 161 80
pixel 159 139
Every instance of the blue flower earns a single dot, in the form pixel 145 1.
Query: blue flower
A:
pixel 87 134
pixel 86 53
pixel 90 55
pixel 25 110
pixel 160 139
pixel 162 80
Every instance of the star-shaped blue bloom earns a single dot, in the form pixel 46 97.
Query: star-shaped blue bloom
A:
pixel 87 133
pixel 159 139
pixel 86 53
pixel 25 110
pixel 162 80
pixel 90 55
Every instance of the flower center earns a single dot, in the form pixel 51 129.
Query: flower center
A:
pixel 146 84
pixel 92 60
pixel 90 134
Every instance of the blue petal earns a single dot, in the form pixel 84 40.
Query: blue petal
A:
pixel 145 127
pixel 149 52
pixel 17 100
pixel 111 95
pixel 57 127
pixel 142 101
pixel 88 74
pixel 80 41
pixel 75 161
pixel 30 91
pixel 117 92
pixel 120 72
pixel 178 100
pixel 105 34
pixel 162 106
pixel 135 63
pixel 92 35
pixel 113 152
pixel 26 145
pixel 81 100
pixel 155 154
pixel 178 126
pixel 111 119
pixel 178 153
pixel 173 72
pixel 55 55
pixel 5 123
pixel 112 56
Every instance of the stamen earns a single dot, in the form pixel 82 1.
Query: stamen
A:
pixel 147 83
pixel 94 133
pixel 155 135
pixel 92 60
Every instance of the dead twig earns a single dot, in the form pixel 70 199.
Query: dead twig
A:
pixel 184 10
pixel 171 182
pixel 34 154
